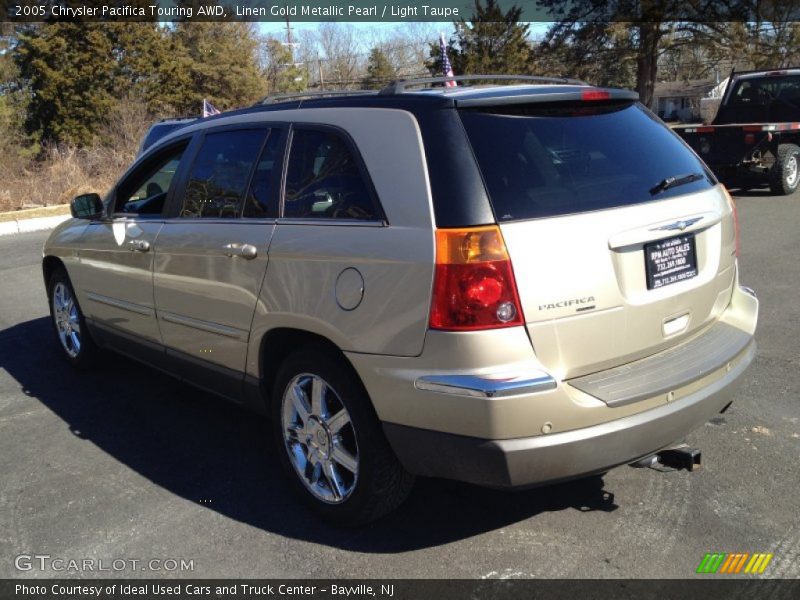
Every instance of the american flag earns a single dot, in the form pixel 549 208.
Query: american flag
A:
pixel 208 109
pixel 447 68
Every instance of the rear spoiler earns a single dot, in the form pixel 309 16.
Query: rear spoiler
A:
pixel 524 95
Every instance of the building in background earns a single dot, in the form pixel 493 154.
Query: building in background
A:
pixel 681 100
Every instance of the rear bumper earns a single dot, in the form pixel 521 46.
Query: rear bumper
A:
pixel 543 459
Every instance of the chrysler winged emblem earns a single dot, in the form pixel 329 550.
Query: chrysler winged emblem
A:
pixel 679 225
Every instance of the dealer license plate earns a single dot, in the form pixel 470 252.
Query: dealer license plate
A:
pixel 670 261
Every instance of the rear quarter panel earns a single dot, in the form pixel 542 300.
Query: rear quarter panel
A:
pixel 395 260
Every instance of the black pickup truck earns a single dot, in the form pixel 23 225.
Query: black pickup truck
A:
pixel 755 137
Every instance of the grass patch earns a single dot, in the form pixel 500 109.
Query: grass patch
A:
pixel 32 213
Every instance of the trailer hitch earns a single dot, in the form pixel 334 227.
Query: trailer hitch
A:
pixel 680 457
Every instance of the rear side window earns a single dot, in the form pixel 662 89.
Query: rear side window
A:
pixel 324 181
pixel 220 174
pixel 555 160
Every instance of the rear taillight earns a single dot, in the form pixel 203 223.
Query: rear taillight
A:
pixel 473 285
pixel 732 205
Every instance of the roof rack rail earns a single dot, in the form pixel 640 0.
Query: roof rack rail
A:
pixel 183 118
pixel 399 85
pixel 275 98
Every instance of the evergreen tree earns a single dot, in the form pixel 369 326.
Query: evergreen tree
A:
pixel 147 65
pixel 600 53
pixel 7 69
pixel 280 71
pixel 492 42
pixel 66 72
pixel 75 73
pixel 221 61
pixel 9 109
pixel 379 70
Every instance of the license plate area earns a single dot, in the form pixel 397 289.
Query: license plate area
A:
pixel 670 261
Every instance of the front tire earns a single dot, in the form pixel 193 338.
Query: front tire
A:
pixel 330 442
pixel 68 321
pixel 785 173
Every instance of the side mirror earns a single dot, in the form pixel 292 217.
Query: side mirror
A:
pixel 87 206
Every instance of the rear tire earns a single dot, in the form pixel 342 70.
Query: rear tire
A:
pixel 785 173
pixel 68 322
pixel 330 442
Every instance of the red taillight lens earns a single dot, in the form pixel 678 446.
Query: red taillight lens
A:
pixel 732 204
pixel 595 95
pixel 474 285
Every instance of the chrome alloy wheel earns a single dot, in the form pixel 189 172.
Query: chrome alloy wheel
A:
pixel 791 170
pixel 319 438
pixel 67 319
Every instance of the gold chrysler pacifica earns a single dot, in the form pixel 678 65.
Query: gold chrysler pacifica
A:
pixel 507 285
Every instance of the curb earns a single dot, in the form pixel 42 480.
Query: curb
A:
pixel 33 224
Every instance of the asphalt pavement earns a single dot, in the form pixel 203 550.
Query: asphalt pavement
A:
pixel 125 463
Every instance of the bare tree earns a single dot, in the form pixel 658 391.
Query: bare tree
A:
pixel 343 52
pixel 408 45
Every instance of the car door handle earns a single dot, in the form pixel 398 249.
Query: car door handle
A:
pixel 246 251
pixel 139 245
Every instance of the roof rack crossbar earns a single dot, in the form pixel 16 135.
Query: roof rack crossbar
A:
pixel 399 86
pixel 275 98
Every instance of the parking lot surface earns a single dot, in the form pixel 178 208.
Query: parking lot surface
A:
pixel 126 463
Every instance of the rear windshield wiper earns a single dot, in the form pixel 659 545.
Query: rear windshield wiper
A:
pixel 671 182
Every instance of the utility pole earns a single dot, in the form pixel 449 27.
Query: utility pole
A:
pixel 289 41
pixel 319 69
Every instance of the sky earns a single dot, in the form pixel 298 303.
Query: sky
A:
pixel 278 29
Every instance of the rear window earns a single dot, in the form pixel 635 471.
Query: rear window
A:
pixel 753 100
pixel 548 160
